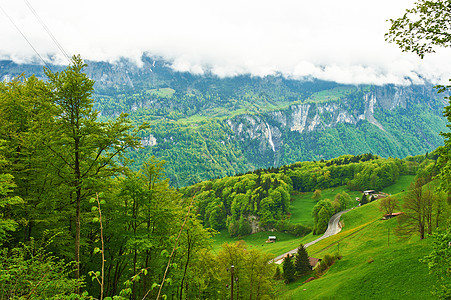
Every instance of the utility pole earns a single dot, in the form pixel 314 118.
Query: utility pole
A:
pixel 388 237
pixel 231 282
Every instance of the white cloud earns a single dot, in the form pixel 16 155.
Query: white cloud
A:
pixel 333 40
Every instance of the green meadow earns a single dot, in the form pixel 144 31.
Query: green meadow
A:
pixel 375 263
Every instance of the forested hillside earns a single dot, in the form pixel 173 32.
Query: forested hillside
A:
pixel 205 126
pixel 260 200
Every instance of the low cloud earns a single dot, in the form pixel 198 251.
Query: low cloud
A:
pixel 341 41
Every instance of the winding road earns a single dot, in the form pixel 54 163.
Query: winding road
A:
pixel 332 228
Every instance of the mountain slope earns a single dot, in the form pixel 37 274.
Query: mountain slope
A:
pixel 205 126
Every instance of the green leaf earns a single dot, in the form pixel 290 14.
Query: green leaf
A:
pixel 154 285
pixel 165 253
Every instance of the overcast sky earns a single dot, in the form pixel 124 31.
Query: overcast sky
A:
pixel 334 40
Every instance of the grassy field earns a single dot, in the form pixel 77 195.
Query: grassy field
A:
pixel 162 92
pixel 375 263
pixel 402 185
pixel 302 204
pixel 285 242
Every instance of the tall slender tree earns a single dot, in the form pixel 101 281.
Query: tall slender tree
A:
pixel 288 269
pixel 82 150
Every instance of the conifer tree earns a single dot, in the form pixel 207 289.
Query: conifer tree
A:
pixel 288 269
pixel 301 263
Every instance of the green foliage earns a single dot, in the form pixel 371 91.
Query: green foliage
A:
pixel 301 263
pixel 278 274
pixel 288 269
pixel 321 214
pixel 418 206
pixel 316 194
pixel 7 202
pixel 237 201
pixel 388 205
pixel 422 27
pixel 30 271
pixel 439 262
pixel 262 197
pixel 253 274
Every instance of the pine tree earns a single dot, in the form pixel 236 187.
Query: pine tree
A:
pixel 288 269
pixel 301 263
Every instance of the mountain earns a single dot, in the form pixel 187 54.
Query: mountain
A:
pixel 206 127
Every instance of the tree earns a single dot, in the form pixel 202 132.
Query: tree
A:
pixel 422 27
pixel 420 30
pixel 6 201
pixel 302 263
pixel 439 262
pixel 288 269
pixel 321 213
pixel 252 272
pixel 388 205
pixel 418 208
pixel 82 150
pixel 316 195
pixel 30 272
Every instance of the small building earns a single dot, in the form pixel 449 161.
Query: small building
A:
pixel 314 262
pixel 271 238
pixel 388 216
pixel 369 192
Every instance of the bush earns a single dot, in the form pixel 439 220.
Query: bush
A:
pixel 328 260
pixel 31 272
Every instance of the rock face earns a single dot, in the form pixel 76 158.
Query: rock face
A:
pixel 266 133
pixel 148 141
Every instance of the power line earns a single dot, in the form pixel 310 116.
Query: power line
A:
pixel 48 31
pixel 23 35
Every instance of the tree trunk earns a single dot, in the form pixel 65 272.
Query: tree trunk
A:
pixel 77 174
pixel 186 264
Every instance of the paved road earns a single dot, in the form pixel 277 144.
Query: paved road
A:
pixel 332 228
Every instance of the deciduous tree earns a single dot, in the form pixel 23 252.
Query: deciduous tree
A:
pixel 388 205
pixel 82 150
pixel 418 209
